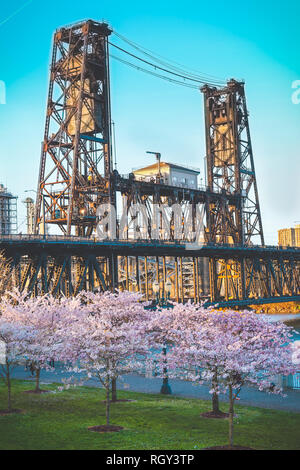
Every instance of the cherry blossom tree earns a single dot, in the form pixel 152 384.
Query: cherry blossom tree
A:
pixel 98 302
pixel 174 326
pixel 42 314
pixel 296 353
pixel 244 347
pixel 106 338
pixel 12 339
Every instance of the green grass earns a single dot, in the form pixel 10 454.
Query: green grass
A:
pixel 60 421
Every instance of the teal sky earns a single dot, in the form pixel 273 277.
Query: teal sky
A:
pixel 257 41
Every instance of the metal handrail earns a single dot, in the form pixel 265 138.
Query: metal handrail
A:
pixel 74 238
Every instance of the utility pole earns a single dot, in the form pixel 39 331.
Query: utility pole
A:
pixel 158 158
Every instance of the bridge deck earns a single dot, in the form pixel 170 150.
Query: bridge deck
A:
pixel 56 243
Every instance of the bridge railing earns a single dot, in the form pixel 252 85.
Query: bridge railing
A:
pixel 148 241
pixel 293 381
pixel 152 179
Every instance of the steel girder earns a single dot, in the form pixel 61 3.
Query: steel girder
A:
pixel 60 275
pixel 237 275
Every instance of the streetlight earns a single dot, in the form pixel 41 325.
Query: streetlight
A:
pixel 158 157
pixel 155 287
pixel 165 388
pixel 163 302
pixel 168 288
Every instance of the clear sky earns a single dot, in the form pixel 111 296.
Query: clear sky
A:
pixel 257 41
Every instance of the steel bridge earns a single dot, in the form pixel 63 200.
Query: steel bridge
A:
pixel 66 265
pixel 231 265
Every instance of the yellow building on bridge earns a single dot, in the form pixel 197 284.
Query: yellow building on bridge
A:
pixel 289 236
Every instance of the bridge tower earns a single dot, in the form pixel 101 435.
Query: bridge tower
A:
pixel 230 169
pixel 230 166
pixel 76 157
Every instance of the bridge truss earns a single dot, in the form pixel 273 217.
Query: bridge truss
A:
pixel 62 265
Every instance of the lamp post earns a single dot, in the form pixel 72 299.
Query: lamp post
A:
pixel 155 287
pixel 158 157
pixel 168 288
pixel 165 388
pixel 163 302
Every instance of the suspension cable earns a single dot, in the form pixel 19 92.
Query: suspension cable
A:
pixel 166 62
pixel 150 72
pixel 185 77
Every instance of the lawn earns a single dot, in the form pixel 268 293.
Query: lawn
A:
pixel 60 420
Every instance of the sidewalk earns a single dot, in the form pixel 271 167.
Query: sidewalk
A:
pixel 249 396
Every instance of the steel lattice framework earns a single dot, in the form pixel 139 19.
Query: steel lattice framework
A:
pixel 230 166
pixel 230 169
pixel 75 164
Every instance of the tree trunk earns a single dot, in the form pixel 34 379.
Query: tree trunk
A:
pixel 231 414
pixel 37 380
pixel 114 390
pixel 215 396
pixel 215 404
pixel 107 403
pixel 8 388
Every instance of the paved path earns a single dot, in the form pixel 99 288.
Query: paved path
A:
pixel 249 396
pixel 282 316
pixel 291 319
